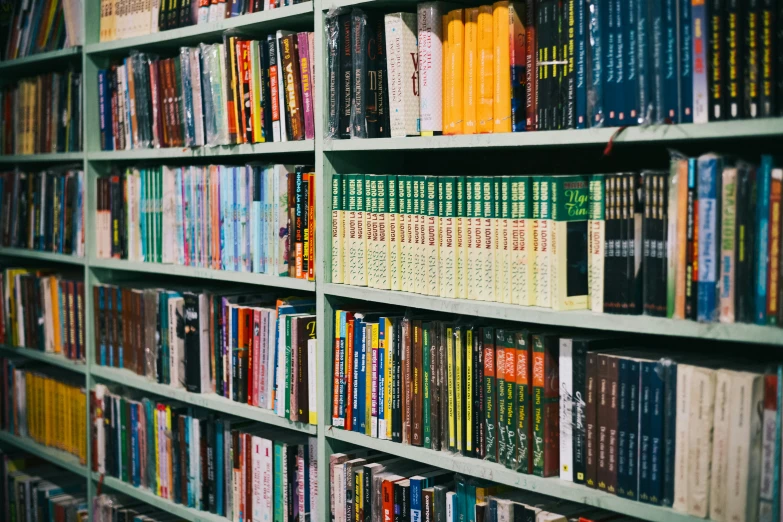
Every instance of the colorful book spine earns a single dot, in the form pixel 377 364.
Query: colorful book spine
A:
pixel 760 271
pixel 430 27
pixel 709 168
pixel 700 83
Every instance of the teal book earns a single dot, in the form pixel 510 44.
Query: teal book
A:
pixel 279 480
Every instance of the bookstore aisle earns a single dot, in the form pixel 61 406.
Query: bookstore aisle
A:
pixel 388 260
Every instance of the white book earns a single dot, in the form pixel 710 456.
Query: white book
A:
pixel 46 292
pixel 203 311
pixel 419 279
pixel 383 247
pixel 267 481
pixel 339 492
pixel 195 82
pixel 489 246
pixel 175 307
pixel 474 236
pixel 431 237
pixel 402 67
pixel 338 227
pixel 503 240
pixel 720 441
pixel 281 364
pixel 702 402
pixel 682 419
pixel 405 188
pixel 451 504
pixel 371 230
pixel 257 507
pixel 566 409
pixel 447 240
pixel 203 14
pixel 169 216
pixel 742 492
pixel 596 238
pixel 100 425
pixel 394 231
pixel 728 244
pixel 281 84
pixel 312 376
pixel 430 28
pixel 769 466
pixel 154 16
pixel 541 243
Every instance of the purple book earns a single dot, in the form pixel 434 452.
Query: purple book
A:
pixel 307 84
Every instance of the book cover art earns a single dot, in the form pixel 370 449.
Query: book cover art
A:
pixel 569 271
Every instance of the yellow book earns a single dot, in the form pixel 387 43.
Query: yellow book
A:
pixel 82 429
pixel 371 424
pixel 386 344
pixel 450 374
pixel 469 392
pixel 502 72
pixel 485 83
pixel 470 70
pixel 456 39
pixel 447 76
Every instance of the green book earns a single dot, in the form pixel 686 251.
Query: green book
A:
pixel 279 482
pixel 570 197
pixel 522 400
pixel 508 342
pixel 431 239
pixel 427 370
pixel 461 244
pixel 337 228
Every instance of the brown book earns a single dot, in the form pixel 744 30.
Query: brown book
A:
pixel 231 103
pixel 247 454
pixel 611 423
pixel 417 384
pixel 603 412
pixel 292 83
pixel 591 417
pixel 407 364
pixel 111 301
pixel 773 277
pixel 306 332
pixel 139 355
pixel 171 97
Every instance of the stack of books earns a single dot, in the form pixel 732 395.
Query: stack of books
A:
pixel 42 310
pixel 255 218
pixel 39 492
pixel 383 487
pixel 700 241
pixel 43 405
pixel 549 65
pixel 221 465
pixel 230 93
pixel 37 27
pixel 122 21
pixel 253 349
pixel 43 210
pixel 42 114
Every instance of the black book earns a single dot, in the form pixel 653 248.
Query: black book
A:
pixel 648 267
pixel 478 393
pixel 360 62
pixel 266 126
pixel 185 18
pixel 333 68
pixel 397 380
pixel 176 463
pixel 401 501
pixel 768 69
pixel 611 233
pixel 716 59
pixel 192 343
pixel 291 477
pixel 745 237
pixel 346 76
pixel 210 502
pixel 734 63
pixel 377 101
pixel 779 55
pixel 635 212
pixel 173 13
pixel 752 58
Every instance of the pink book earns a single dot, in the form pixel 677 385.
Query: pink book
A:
pixel 307 86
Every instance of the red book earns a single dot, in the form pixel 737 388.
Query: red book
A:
pixel 311 227
pixel 546 408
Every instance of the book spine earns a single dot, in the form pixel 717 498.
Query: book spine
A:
pixel 430 27
pixel 735 55
pixel 752 58
pixel 715 60
pixel 566 409
pixel 700 82
pixel 773 276
pixel 709 172
pixel 728 245
pixel 764 182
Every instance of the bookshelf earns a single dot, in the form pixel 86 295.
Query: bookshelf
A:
pixel 330 157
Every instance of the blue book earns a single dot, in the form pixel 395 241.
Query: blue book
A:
pixel 163 315
pixel 685 43
pixel 223 209
pixel 656 50
pixel 621 48
pixel 623 424
pixel 357 336
pixel 763 181
pixel 127 63
pixel 235 230
pixel 381 377
pixel 104 101
pixel 596 107
pixel 149 410
pixel 631 56
pixel 101 327
pixel 651 434
pixel 220 471
pixel 669 431
pixel 671 107
pixel 709 173
pixel 415 500
pixel 580 57
pixel 136 447
pixel 61 240
pixel 468 514
pixel 190 502
pixel 606 20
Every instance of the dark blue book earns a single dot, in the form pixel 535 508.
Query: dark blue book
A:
pixel 630 32
pixel 622 427
pixel 621 48
pixel 101 325
pixel 104 110
pixel 763 182
pixel 135 456
pixel 607 22
pixel 669 431
pixel 628 429
pixel 596 102
pixel 671 107
pixel 709 174
pixel 219 470
pixel 657 60
pixel 580 66
pixel 651 433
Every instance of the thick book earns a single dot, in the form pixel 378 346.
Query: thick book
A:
pixel 430 28
pixel 569 235
pixel 402 72
pixel 545 405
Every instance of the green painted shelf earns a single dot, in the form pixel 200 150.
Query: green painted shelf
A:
pixel 497 473
pixel 254 23
pixel 208 401
pixel 145 495
pixel 53 157
pixel 228 276
pixel 639 324
pixel 23 65
pixel 769 127
pixel 49 358
pixel 55 456
pixel 23 253
pixel 288 147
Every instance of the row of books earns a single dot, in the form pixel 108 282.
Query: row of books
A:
pixel 42 114
pixel 36 491
pixel 225 466
pixel 522 66
pixel 43 405
pixel 619 243
pixel 119 20
pixel 373 486
pixel 43 210
pixel 37 27
pixel 254 349
pixel 238 91
pixel 111 508
pixel 43 311
pixel 255 218
pixel 586 408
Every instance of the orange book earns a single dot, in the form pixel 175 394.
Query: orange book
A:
pixel 502 72
pixel 682 236
pixel 485 83
pixel 446 85
pixel 456 37
pixel 469 69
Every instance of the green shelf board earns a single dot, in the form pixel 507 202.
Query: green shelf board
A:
pixel 637 324
pixel 145 495
pixel 552 486
pixel 288 147
pixel 208 401
pixel 55 456
pixel 52 157
pixel 249 278
pixel 300 14
pixel 23 253
pixel 49 358
pixel 36 60
pixel 768 127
